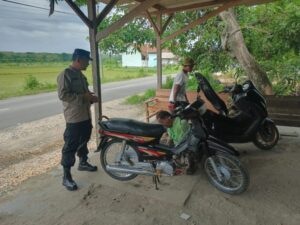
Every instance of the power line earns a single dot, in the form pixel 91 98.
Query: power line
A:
pixel 33 6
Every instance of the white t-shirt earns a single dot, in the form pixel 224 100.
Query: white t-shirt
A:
pixel 181 79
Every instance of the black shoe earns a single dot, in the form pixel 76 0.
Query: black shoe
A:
pixel 68 182
pixel 85 166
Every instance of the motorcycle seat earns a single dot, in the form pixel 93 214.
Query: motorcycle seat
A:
pixel 133 127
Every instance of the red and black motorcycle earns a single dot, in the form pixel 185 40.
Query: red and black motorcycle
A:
pixel 130 148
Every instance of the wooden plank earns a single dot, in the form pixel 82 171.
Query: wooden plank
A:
pixel 167 23
pixel 193 6
pixel 285 122
pixel 156 6
pixel 81 15
pixel 157 31
pixel 105 11
pixel 159 51
pixel 95 64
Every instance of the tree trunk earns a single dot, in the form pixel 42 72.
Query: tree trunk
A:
pixel 235 45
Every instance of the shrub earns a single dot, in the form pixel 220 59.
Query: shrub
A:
pixel 31 83
pixel 138 99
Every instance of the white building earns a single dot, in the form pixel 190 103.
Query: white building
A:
pixel 147 58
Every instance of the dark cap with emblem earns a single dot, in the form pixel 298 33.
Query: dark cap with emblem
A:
pixel 80 53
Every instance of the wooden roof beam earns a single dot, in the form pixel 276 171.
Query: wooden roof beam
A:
pixel 203 19
pixel 155 26
pixel 126 18
pixel 156 6
pixel 81 15
pixel 193 6
pixel 157 31
pixel 167 23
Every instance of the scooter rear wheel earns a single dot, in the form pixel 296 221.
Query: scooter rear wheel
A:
pixel 267 136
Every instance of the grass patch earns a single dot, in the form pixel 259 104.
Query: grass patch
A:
pixel 138 99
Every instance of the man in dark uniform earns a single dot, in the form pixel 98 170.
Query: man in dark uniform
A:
pixel 73 91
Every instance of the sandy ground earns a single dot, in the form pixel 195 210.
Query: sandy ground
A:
pixel 33 148
pixel 33 151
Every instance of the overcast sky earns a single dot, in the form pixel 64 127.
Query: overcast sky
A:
pixel 25 29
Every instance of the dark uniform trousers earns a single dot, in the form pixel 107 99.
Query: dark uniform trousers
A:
pixel 76 137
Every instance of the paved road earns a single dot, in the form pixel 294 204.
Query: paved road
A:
pixel 29 108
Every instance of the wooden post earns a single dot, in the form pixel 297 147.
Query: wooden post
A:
pixel 95 64
pixel 158 51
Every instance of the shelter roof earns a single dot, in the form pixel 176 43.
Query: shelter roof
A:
pixel 171 6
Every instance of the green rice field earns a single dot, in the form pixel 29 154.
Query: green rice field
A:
pixel 14 77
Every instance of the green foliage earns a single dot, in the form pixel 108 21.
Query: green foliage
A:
pixel 271 32
pixel 30 57
pixel 111 62
pixel 129 38
pixel 169 83
pixel 32 83
pixel 193 84
pixel 138 99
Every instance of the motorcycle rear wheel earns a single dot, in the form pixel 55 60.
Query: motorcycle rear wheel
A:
pixel 267 136
pixel 111 155
pixel 233 177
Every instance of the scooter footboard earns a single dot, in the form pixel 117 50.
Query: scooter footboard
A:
pixel 217 145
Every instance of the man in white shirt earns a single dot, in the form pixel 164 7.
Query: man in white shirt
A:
pixel 178 93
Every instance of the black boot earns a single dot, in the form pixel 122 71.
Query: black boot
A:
pixel 68 182
pixel 85 166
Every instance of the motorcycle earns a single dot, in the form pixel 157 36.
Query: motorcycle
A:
pixel 129 148
pixel 249 122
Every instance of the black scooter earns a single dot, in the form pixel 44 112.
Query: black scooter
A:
pixel 249 121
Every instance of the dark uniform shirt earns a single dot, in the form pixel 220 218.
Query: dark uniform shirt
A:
pixel 71 86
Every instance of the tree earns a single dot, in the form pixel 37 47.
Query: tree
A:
pixel 129 38
pixel 233 42
pixel 270 33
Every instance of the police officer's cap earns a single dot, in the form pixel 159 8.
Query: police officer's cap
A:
pixel 80 53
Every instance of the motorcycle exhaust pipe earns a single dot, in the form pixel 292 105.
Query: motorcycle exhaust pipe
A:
pixel 138 171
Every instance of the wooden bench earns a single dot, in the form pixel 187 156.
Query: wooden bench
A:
pixel 161 101
pixel 284 110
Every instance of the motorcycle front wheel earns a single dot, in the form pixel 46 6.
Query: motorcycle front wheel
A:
pixel 113 155
pixel 267 136
pixel 226 173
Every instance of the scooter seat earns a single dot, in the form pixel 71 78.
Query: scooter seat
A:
pixel 211 95
pixel 133 127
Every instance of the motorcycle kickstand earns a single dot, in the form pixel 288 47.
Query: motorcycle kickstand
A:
pixel 156 180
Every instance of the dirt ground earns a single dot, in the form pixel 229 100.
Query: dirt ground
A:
pixel 31 191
